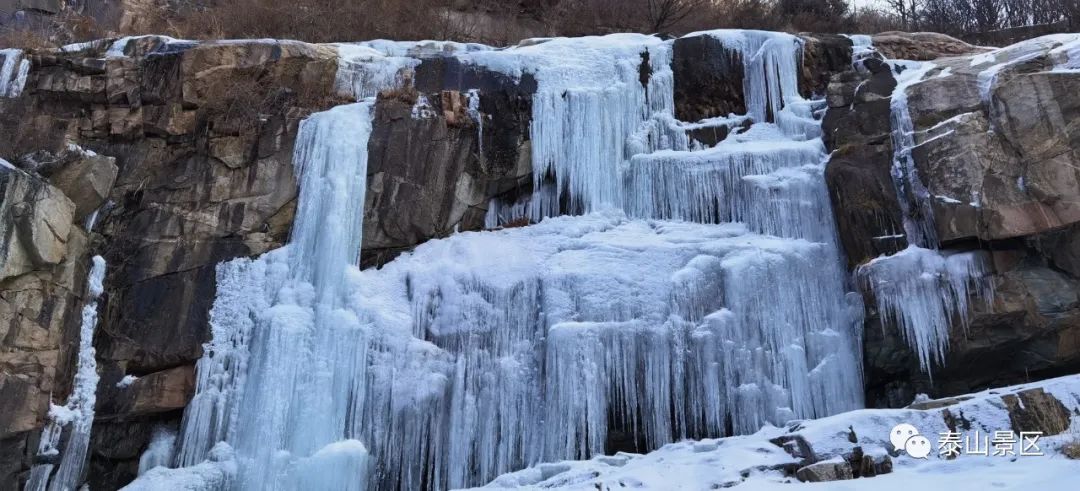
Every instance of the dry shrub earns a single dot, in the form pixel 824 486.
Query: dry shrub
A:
pixel 28 39
pixel 1071 447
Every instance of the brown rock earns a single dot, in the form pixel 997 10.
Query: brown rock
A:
pixel 923 46
pixel 87 182
pixel 1034 410
pixel 36 221
pixel 825 471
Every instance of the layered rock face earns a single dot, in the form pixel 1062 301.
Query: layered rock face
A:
pixel 995 146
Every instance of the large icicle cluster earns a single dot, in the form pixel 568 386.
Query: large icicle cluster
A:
pixel 77 415
pixel 920 290
pixel 654 312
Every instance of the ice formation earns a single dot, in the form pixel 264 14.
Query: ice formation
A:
pixel 280 331
pixel 654 311
pixel 159 453
pixel 74 419
pixel 921 289
pixel 13 72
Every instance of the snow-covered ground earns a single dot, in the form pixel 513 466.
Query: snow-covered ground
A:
pixel 752 462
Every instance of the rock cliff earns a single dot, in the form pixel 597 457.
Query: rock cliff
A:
pixel 168 157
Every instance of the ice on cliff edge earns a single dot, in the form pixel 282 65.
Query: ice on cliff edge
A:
pixel 449 365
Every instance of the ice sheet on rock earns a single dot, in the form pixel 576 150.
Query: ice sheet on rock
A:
pixel 911 192
pixel 13 72
pixel 550 313
pixel 921 291
pixel 862 47
pixel 67 432
pixel 118 49
pixel 592 111
pixel 450 363
pixel 770 68
pixel 363 71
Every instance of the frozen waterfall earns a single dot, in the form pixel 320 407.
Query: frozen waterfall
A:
pixel 76 416
pixel 667 293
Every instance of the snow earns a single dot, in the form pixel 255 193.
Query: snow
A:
pixel 13 72
pixel 363 70
pixel 126 381
pixel 75 418
pixel 752 461
pixel 215 473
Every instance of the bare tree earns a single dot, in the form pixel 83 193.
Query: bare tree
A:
pixel 906 10
pixel 987 14
pixel 663 14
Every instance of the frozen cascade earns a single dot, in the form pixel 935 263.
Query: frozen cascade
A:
pixel 921 289
pixel 280 332
pixel 13 72
pixel 159 453
pixel 77 414
pixel 675 315
pixel 914 198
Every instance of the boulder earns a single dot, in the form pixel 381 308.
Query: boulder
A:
pixel 158 392
pixel 829 470
pixel 87 182
pixel 36 221
pixel 1034 410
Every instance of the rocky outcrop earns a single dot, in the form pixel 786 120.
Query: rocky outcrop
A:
pixel 179 155
pixel 188 162
pixel 920 46
pixel 43 264
pixel 709 76
pixel 995 147
pixel 434 173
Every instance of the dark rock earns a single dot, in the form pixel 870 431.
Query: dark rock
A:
pixel 797 447
pixel 708 79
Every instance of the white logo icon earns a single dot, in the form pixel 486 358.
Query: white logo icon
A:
pixel 917 446
pixel 900 434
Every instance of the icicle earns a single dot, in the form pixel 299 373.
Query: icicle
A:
pixel 77 415
pixel 13 72
pixel 478 118
pixel 921 291
pixel 364 71
pixel 487 352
